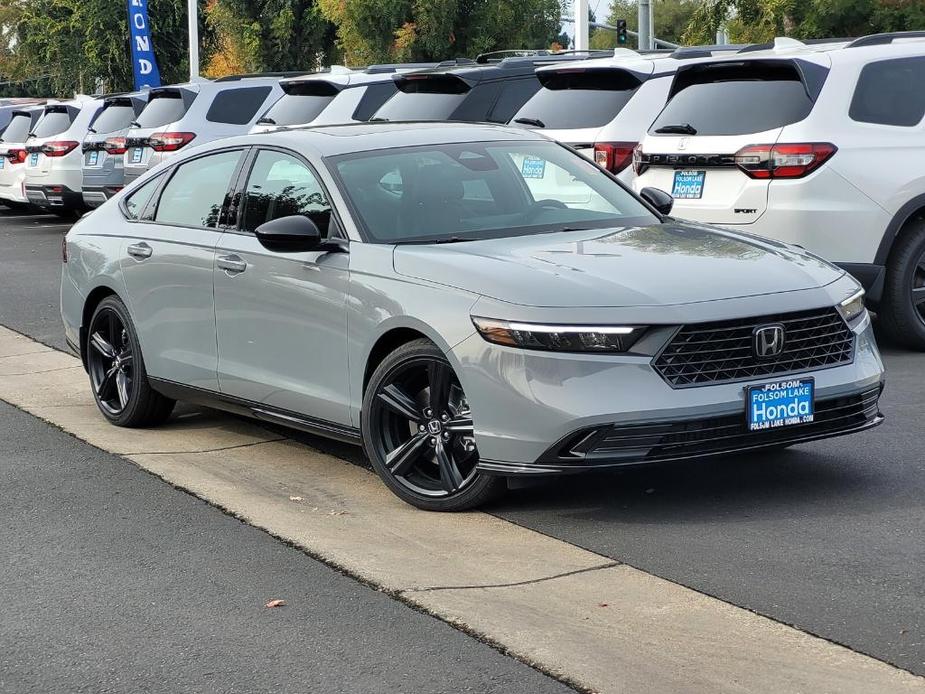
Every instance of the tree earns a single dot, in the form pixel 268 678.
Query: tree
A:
pixel 370 31
pixel 671 18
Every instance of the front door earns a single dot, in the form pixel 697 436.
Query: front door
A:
pixel 281 317
pixel 167 265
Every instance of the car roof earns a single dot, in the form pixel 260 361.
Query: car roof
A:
pixel 511 66
pixel 334 140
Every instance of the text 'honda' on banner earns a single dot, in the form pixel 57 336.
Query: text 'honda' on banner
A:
pixel 144 65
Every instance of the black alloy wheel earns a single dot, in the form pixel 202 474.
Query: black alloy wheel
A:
pixel 918 287
pixel 902 309
pixel 418 431
pixel 110 361
pixel 117 370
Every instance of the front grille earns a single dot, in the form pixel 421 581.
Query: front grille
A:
pixel 711 436
pixel 723 352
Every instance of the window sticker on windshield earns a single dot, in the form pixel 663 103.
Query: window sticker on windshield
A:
pixel 533 167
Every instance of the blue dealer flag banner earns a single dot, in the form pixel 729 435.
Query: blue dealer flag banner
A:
pixel 144 65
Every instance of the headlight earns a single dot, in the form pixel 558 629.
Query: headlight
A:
pixel 559 338
pixel 853 306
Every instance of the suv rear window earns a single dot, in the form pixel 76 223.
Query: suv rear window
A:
pixel 580 98
pixel 736 99
pixel 18 129
pixel 237 106
pixel 302 103
pixel 116 115
pixel 162 108
pixel 53 123
pixel 425 98
pixel 890 92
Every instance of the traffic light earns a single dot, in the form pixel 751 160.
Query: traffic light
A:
pixel 621 31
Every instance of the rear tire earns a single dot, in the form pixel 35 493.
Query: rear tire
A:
pixel 902 310
pixel 117 370
pixel 417 431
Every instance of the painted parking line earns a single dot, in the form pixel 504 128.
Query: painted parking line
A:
pixel 575 614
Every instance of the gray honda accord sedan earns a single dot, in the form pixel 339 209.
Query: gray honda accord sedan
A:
pixel 468 302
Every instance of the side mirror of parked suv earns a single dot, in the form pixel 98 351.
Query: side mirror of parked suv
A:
pixel 659 199
pixel 293 234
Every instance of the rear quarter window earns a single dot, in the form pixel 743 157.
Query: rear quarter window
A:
pixel 581 99
pixel 890 92
pixel 237 106
pixel 373 98
pixel 736 100
pixel 514 93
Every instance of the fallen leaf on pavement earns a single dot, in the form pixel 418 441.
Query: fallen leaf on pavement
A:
pixel 295 498
pixel 275 603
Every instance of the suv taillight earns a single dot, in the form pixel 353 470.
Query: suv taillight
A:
pixel 59 148
pixel 115 145
pixel 17 156
pixel 783 161
pixel 613 156
pixel 169 142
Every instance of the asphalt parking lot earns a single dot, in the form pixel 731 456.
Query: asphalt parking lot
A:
pixel 826 536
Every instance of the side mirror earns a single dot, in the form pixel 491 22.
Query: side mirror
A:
pixel 659 199
pixel 295 234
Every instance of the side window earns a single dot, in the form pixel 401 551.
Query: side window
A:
pixel 890 92
pixel 281 186
pixel 135 202
pixel 194 195
pixel 237 106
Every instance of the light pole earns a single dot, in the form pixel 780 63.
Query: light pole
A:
pixel 193 18
pixel 580 8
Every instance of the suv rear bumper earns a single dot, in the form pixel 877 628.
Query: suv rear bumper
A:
pixel 94 196
pixel 54 197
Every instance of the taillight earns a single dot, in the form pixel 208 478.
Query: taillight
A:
pixel 59 148
pixel 613 156
pixel 639 165
pixel 115 145
pixel 783 161
pixel 169 142
pixel 17 156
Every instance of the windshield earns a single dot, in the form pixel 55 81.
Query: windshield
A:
pixel 161 110
pixel 115 116
pixel 18 129
pixel 480 190
pixel 52 123
pixel 579 98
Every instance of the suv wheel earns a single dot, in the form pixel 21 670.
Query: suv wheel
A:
pixel 117 370
pixel 903 310
pixel 418 433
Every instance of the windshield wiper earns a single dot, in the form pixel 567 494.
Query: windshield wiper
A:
pixel 428 242
pixel 536 122
pixel 134 124
pixel 682 129
pixel 266 120
pixel 380 119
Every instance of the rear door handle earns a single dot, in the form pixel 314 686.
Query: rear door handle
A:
pixel 232 264
pixel 140 251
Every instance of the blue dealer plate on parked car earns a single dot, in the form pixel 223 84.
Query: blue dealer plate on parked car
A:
pixel 688 185
pixel 136 155
pixel 781 403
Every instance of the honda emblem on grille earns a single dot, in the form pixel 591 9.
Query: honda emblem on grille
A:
pixel 768 341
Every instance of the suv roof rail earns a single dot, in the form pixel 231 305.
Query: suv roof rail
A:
pixel 705 51
pixel 251 75
pixel 455 61
pixel 395 67
pixel 779 43
pixel 497 56
pixel 885 38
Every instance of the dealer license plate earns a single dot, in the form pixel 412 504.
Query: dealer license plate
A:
pixel 2 161
pixel 93 158
pixel 34 159
pixel 136 155
pixel 688 185
pixel 780 404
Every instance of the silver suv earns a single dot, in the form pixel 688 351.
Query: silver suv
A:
pixel 196 112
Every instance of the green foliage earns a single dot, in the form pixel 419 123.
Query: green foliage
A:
pixel 370 31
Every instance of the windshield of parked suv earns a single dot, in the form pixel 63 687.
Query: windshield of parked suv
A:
pixel 579 98
pixel 115 116
pixel 736 100
pixel 301 104
pixel 460 192
pixel 18 129
pixel 53 123
pixel 161 110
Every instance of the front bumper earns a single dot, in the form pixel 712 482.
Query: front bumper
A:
pixel 54 196
pixel 529 406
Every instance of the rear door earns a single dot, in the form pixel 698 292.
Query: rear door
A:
pixel 713 112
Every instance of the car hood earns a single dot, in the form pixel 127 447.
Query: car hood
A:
pixel 660 264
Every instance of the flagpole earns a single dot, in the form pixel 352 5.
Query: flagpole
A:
pixel 193 17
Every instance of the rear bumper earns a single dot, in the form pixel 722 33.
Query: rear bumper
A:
pixel 54 197
pixel 94 196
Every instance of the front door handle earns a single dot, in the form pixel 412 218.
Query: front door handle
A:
pixel 140 251
pixel 232 264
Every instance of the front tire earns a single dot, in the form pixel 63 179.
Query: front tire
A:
pixel 117 370
pixel 418 433
pixel 903 309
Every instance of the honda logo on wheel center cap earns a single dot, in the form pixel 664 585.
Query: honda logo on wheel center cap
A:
pixel 768 341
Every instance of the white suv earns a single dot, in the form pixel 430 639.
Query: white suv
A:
pixel 13 156
pixel 820 147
